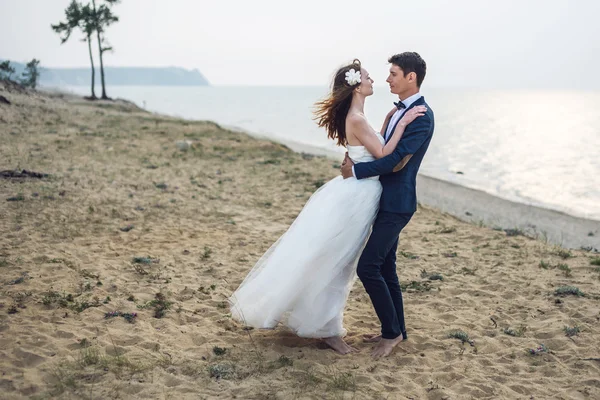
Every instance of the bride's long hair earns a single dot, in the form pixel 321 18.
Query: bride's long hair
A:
pixel 331 112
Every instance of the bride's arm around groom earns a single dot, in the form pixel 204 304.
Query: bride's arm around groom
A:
pixel 415 135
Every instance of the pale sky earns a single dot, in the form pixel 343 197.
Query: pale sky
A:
pixel 466 43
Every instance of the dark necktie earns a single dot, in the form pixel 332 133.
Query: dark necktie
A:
pixel 399 105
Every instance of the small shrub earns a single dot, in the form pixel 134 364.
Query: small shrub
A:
pixel 129 317
pixel 143 260
pixel 127 228
pixel 416 286
pixel 85 304
pixel 408 255
pixel 545 265
pixel 462 336
pixel 221 371
pixel 222 305
pixel 514 232
pixel 568 290
pixel 431 277
pixel 18 197
pixel 89 356
pixel 564 254
pixel 539 350
pixel 219 351
pixel 160 304
pixel 343 381
pixel 516 333
pixel 52 297
pixel 447 229
pixel 574 331
pixel 565 268
pixel 207 253
pixel 271 161
pixel 285 361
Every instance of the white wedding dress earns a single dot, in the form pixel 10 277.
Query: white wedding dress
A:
pixel 304 279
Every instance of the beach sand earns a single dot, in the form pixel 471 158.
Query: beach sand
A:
pixel 127 222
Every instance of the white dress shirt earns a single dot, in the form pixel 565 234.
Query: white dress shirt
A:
pixel 396 117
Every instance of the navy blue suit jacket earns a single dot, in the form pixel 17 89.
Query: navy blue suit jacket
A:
pixel 400 188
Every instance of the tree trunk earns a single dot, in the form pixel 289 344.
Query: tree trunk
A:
pixel 98 28
pixel 89 40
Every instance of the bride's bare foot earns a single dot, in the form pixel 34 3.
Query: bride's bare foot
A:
pixel 338 344
pixel 384 347
pixel 371 338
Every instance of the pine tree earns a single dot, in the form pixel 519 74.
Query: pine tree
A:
pixel 31 74
pixel 6 70
pixel 82 17
pixel 104 17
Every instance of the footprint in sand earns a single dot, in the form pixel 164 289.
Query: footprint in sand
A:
pixel 25 359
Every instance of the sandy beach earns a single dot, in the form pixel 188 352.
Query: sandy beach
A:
pixel 116 266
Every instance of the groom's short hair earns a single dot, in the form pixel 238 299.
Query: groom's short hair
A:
pixel 408 62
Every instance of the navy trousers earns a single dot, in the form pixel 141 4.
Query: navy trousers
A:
pixel 377 271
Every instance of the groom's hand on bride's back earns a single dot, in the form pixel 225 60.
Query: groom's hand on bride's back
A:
pixel 346 168
pixel 346 158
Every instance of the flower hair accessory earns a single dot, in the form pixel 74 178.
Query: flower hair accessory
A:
pixel 353 77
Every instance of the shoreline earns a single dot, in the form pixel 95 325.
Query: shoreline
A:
pixel 317 145
pixel 467 204
pixel 479 207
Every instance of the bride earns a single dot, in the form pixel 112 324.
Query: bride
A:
pixel 304 279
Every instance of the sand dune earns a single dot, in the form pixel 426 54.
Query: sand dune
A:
pixel 129 223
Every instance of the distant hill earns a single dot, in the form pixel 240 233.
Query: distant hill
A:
pixel 119 76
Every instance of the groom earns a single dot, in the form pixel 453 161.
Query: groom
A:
pixel 397 174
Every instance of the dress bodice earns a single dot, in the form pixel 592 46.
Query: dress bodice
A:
pixel 360 154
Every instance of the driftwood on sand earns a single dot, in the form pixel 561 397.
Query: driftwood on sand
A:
pixel 23 174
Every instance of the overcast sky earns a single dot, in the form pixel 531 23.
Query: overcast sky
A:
pixel 467 43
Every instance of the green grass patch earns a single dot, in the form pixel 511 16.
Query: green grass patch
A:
pixel 568 291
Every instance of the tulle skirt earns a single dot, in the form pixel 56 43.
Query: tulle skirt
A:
pixel 304 279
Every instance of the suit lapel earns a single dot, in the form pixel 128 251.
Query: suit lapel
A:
pixel 419 102
pixel 386 129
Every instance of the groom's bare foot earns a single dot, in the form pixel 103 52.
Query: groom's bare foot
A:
pixel 371 338
pixel 384 347
pixel 338 344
